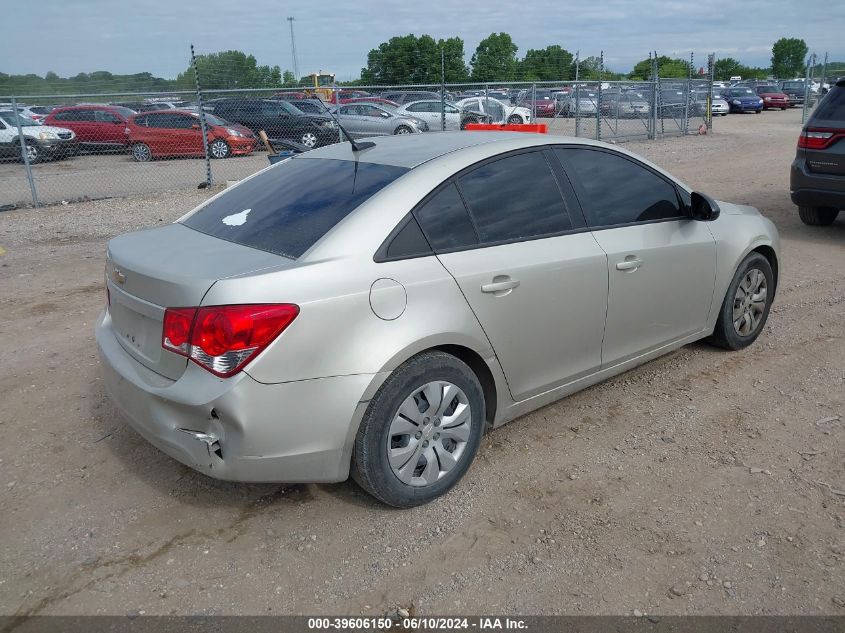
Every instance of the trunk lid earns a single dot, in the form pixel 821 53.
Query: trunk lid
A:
pixel 168 267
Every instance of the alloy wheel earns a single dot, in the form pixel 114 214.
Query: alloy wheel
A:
pixel 219 149
pixel 750 302
pixel 309 139
pixel 429 433
pixel 141 153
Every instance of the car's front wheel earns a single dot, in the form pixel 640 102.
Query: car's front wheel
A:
pixel 515 119
pixel 141 153
pixel 746 305
pixel 219 148
pixel 420 432
pixel 403 129
pixel 817 216
pixel 309 139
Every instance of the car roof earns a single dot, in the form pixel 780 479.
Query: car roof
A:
pixel 411 151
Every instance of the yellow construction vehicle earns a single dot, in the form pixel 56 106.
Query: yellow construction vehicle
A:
pixel 321 85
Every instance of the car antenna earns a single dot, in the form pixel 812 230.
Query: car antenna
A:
pixel 356 147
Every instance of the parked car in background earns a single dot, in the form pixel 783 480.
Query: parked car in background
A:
pixel 375 100
pixel 624 105
pixel 430 112
pixel 373 314
pixel 581 101
pixel 97 127
pixel 794 90
pixel 42 141
pixel 36 113
pixel 499 111
pixel 817 177
pixel 772 97
pixel 542 102
pixel 369 119
pixel 743 100
pixel 309 106
pixel 719 107
pixel 279 120
pixel 163 133
pixel 403 97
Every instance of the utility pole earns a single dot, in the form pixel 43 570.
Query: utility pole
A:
pixel 293 50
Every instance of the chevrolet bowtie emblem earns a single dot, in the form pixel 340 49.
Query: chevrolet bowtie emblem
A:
pixel 118 276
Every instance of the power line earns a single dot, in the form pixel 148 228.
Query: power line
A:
pixel 293 49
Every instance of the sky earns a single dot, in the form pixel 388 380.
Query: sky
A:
pixel 72 36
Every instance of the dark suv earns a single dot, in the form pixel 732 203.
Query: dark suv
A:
pixel 279 120
pixel 817 180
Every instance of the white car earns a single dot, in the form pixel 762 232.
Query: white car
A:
pixel 500 111
pixel 42 141
pixel 719 106
pixel 431 111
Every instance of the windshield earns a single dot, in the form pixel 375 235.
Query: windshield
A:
pixel 746 91
pixel 124 111
pixel 286 209
pixel 768 89
pixel 9 118
pixel 214 120
pixel 793 84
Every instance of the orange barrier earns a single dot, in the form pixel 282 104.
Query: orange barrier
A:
pixel 541 128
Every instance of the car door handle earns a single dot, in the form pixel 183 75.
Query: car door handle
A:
pixel 629 264
pixel 500 283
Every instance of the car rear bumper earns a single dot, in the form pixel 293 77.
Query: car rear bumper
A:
pixel 810 189
pixel 299 431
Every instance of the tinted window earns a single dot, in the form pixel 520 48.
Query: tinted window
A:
pixel 515 197
pixel 106 117
pixel 445 221
pixel 287 208
pixel 618 190
pixel 408 242
pixel 420 107
pixel 832 106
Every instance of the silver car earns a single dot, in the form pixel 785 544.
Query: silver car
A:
pixel 373 311
pixel 367 119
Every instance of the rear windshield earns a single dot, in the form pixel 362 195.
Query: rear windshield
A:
pixel 286 209
pixel 832 106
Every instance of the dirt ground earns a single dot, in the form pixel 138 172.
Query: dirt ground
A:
pixel 705 482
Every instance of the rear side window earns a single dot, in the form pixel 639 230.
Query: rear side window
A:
pixel 287 208
pixel 617 190
pixel 832 106
pixel 445 221
pixel 515 197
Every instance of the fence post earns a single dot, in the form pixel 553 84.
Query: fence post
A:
pixel 824 73
pixel 577 92
pixel 25 154
pixel 443 89
pixel 598 97
pixel 711 68
pixel 487 99
pixel 687 99
pixel 203 126
pixel 658 100
pixel 807 88
pixel 534 103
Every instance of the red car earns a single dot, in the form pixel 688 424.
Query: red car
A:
pixel 177 133
pixel 96 126
pixel 290 96
pixel 772 97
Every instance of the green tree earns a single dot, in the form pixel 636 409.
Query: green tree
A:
pixel 412 59
pixel 231 69
pixel 724 69
pixel 788 55
pixel 288 79
pixel 553 63
pixel 494 59
pixel 668 68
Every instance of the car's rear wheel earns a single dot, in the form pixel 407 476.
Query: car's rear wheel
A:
pixel 403 129
pixel 141 153
pixel 33 153
pixel 747 303
pixel 515 119
pixel 219 149
pixel 309 139
pixel 817 216
pixel 420 432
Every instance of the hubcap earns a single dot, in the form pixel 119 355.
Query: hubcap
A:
pixel 31 153
pixel 750 302
pixel 403 130
pixel 141 152
pixel 219 149
pixel 429 433
pixel 309 139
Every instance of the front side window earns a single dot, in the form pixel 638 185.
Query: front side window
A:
pixel 287 208
pixel 516 197
pixel 618 190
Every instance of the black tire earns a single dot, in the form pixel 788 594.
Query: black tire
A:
pixel 467 121
pixel 757 111
pixel 218 148
pixel 515 119
pixel 33 153
pixel 141 153
pixel 725 335
pixel 370 465
pixel 403 129
pixel 817 216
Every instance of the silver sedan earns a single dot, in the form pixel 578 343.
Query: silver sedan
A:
pixel 367 119
pixel 373 309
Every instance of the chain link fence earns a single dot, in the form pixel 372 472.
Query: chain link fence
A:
pixel 97 145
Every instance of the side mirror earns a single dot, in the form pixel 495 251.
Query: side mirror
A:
pixel 703 208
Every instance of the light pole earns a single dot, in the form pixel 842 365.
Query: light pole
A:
pixel 293 50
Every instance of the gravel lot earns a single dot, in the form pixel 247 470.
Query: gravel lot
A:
pixel 703 482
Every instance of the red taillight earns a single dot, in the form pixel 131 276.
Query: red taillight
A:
pixel 818 139
pixel 223 339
